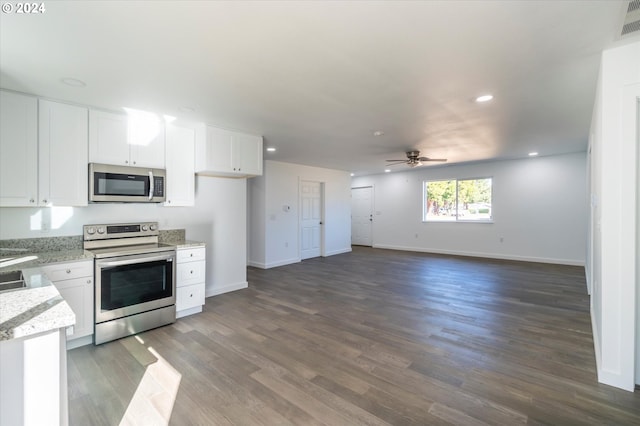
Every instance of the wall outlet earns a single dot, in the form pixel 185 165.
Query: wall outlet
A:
pixel 502 239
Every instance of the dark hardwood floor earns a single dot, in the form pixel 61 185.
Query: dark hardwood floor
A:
pixel 369 337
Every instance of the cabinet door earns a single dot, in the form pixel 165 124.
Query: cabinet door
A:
pixel 63 154
pixel 18 150
pixel 78 293
pixel 108 143
pixel 219 152
pixel 149 152
pixel 248 154
pixel 180 155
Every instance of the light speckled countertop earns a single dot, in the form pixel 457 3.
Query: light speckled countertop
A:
pixel 188 244
pixel 19 260
pixel 35 309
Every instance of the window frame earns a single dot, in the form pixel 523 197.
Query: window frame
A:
pixel 456 219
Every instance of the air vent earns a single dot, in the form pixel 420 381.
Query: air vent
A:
pixel 632 19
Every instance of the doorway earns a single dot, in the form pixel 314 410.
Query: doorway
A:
pixel 362 216
pixel 311 202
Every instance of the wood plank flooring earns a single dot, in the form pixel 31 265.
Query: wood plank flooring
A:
pixel 370 337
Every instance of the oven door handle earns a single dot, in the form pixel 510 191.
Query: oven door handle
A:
pixel 109 263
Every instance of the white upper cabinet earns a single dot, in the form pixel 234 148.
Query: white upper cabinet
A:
pixel 63 154
pixel 180 157
pixel 227 153
pixel 121 140
pixel 43 152
pixel 249 153
pixel 18 150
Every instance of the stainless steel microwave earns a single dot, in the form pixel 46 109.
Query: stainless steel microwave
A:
pixel 123 184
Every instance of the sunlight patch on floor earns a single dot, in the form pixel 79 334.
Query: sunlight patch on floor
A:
pixel 153 401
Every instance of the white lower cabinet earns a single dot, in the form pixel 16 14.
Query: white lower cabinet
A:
pixel 190 281
pixel 74 281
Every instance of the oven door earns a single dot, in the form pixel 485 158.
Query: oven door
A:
pixel 127 285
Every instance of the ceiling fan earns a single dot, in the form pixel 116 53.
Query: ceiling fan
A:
pixel 414 159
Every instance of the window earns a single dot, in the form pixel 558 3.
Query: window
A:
pixel 457 200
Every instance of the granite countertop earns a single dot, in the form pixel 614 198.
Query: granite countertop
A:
pixel 21 259
pixel 35 309
pixel 188 244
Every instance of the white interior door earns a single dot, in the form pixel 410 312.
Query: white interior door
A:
pixel 361 216
pixel 310 219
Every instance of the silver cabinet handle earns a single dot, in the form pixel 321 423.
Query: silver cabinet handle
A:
pixel 89 281
pixel 68 271
pixel 32 200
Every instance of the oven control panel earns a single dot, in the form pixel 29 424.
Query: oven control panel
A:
pixel 119 230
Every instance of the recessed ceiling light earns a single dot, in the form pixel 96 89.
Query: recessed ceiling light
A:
pixel 353 174
pixel 186 109
pixel 533 154
pixel 378 133
pixel 73 82
pixel 271 149
pixel 387 170
pixel 484 98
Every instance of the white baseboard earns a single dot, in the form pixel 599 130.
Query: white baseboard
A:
pixel 81 341
pixel 341 251
pixel 225 289
pixel 191 311
pixel 570 262
pixel 274 264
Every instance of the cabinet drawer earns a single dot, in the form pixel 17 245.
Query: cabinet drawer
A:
pixel 190 273
pixel 189 297
pixel 189 255
pixel 68 271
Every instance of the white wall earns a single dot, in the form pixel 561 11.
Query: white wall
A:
pixel 539 209
pixel 279 186
pixel 218 218
pixel 613 252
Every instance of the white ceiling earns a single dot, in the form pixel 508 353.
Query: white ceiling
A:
pixel 318 78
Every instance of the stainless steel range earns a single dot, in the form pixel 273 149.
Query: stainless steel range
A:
pixel 135 279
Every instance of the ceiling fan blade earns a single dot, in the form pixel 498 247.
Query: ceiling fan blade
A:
pixel 431 159
pixel 395 163
pixel 398 161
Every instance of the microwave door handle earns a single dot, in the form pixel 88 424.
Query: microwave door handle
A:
pixel 150 185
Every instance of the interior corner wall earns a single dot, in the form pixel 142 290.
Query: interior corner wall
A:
pixel 281 224
pixel 218 219
pixel 539 211
pixel 613 252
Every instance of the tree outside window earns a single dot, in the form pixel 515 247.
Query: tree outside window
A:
pixel 457 200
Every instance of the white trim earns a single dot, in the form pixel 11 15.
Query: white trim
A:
pixel 341 251
pixel 570 262
pixel 275 264
pixel 226 289
pixel 190 311
pixel 80 341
